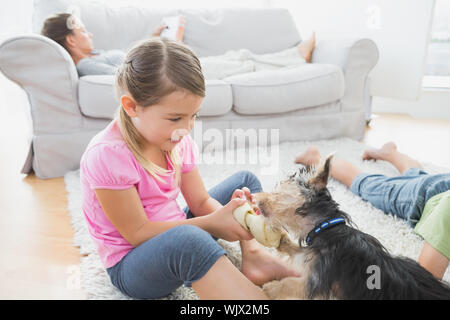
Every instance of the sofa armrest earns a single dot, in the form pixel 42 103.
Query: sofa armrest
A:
pixel 47 73
pixel 356 57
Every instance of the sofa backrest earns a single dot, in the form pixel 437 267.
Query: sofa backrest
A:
pixel 208 31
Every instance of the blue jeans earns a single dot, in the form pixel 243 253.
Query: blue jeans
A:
pixel 404 196
pixel 180 255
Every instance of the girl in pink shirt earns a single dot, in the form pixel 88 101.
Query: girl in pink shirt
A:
pixel 133 171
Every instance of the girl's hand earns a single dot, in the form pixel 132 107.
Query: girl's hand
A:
pixel 245 193
pixel 223 225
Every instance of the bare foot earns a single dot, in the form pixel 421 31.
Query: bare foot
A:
pixel 382 153
pixel 260 266
pixel 310 157
pixel 306 47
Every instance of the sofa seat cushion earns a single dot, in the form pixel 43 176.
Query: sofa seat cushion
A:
pixel 286 89
pixel 218 100
pixel 97 97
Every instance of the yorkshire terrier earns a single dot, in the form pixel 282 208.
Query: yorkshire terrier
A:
pixel 337 261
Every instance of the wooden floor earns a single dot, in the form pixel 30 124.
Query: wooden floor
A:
pixel 38 260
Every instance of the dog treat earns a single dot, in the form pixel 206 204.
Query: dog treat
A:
pixel 257 226
pixel 241 212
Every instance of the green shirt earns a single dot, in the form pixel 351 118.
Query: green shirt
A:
pixel 434 225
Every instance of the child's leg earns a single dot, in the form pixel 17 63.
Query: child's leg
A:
pixel 371 188
pixel 184 254
pixel 340 170
pixel 224 281
pixel 433 261
pixel 389 152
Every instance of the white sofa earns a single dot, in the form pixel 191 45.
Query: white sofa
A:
pixel 321 100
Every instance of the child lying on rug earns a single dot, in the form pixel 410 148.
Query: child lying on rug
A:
pixel 420 198
pixel 133 171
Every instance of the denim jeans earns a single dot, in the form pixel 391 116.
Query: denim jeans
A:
pixel 180 255
pixel 405 195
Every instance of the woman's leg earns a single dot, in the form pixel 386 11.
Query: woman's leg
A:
pixel 287 58
pixel 306 47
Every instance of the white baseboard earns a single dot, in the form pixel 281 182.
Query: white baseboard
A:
pixel 433 103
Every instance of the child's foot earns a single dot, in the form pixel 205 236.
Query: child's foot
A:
pixel 260 266
pixel 306 47
pixel 310 157
pixel 382 153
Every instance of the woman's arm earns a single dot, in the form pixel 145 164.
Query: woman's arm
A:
pixel 125 211
pixel 90 66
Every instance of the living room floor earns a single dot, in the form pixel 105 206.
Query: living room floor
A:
pixel 38 259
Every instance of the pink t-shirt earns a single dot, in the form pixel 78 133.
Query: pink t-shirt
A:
pixel 107 163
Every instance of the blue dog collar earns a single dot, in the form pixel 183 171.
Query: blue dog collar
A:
pixel 324 225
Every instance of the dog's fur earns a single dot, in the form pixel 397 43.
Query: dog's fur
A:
pixel 335 265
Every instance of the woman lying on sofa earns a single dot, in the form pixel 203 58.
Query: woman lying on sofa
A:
pixel 70 32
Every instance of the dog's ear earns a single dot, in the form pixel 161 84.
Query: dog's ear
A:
pixel 320 179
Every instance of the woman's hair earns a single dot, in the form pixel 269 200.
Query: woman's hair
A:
pixel 152 70
pixel 57 27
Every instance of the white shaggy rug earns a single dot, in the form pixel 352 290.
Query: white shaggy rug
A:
pixel 393 233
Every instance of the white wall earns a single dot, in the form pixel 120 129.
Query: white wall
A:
pixel 433 103
pixel 15 17
pixel 400 28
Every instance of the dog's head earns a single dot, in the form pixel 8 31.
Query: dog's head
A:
pixel 301 201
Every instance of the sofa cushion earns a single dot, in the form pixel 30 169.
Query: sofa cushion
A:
pixel 286 89
pixel 97 97
pixel 218 100
pixel 212 32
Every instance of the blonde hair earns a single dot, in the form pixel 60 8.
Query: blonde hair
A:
pixel 151 70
